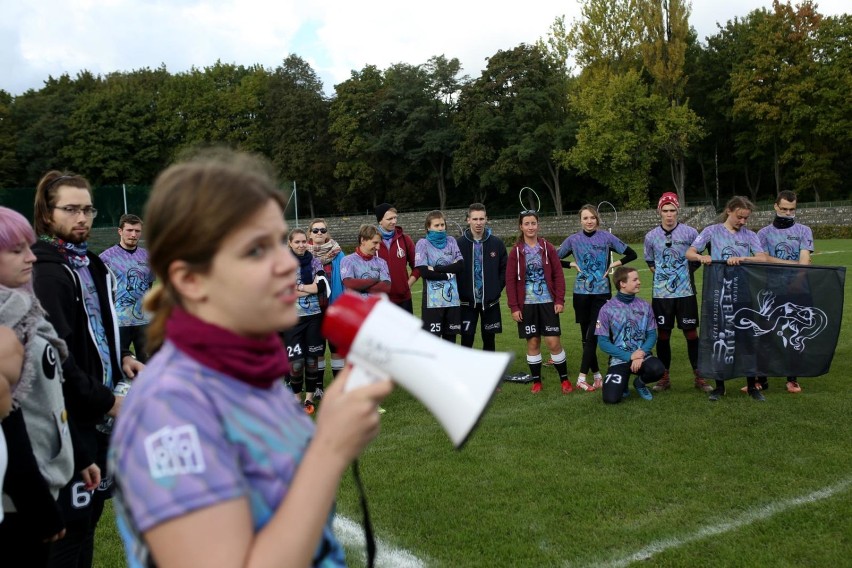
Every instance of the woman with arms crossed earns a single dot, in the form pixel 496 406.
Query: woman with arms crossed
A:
pixel 215 463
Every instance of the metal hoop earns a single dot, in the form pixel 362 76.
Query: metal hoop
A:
pixel 524 206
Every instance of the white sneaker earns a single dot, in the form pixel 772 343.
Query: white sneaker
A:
pixel 583 385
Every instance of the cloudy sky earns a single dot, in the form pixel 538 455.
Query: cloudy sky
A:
pixel 42 38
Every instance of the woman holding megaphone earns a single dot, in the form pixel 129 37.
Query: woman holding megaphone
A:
pixel 215 462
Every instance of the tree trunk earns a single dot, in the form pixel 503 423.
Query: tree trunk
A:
pixel 678 169
pixel 752 189
pixel 552 185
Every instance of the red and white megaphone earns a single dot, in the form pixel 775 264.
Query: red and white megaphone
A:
pixel 383 341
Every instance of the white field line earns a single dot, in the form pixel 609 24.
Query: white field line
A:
pixel 350 534
pixel 747 518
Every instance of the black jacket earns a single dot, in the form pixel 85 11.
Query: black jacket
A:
pixel 494 260
pixel 88 395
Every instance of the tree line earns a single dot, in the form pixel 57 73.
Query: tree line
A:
pixel 621 104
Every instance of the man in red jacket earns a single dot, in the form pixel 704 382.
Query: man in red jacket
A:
pixel 397 249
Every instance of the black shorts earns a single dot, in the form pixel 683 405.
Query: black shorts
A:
pixel 305 339
pixel 539 319
pixel 492 322
pixel 587 306
pixel 684 311
pixel 442 321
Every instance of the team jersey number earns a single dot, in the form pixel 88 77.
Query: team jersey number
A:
pixel 435 327
pixel 614 378
pixel 294 350
pixel 530 329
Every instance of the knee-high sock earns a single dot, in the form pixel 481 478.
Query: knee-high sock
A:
pixel 692 351
pixel 337 366
pixel 560 364
pixel 664 347
pixel 534 362
pixel 467 340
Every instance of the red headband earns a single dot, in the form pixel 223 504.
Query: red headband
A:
pixel 668 198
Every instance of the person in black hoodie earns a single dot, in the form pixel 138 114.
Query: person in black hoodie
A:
pixel 75 289
pixel 482 281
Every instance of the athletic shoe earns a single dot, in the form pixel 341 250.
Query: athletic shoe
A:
pixel 757 395
pixel 662 384
pixel 548 363
pixel 702 385
pixel 310 407
pixel 760 385
pixel 793 386
pixel 381 410
pixel 645 393
pixel 598 385
pixel 584 386
pixel 716 394
pixel 318 394
pixel 536 388
pixel 566 387
pixel 625 394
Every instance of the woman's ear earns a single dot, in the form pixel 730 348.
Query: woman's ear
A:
pixel 190 284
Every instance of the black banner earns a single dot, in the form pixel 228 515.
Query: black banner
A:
pixel 770 320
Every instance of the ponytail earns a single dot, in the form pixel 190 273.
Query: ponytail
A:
pixel 160 302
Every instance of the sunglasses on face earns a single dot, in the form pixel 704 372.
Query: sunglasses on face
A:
pixel 319 230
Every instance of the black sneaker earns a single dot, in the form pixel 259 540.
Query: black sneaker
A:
pixel 756 395
pixel 716 395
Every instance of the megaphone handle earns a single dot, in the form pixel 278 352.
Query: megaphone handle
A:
pixel 360 376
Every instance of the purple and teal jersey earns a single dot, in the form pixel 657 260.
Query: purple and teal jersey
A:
pixel 355 266
pixel 786 244
pixel 439 293
pixel 96 322
pixel 724 244
pixel 134 278
pixel 536 291
pixel 190 437
pixel 591 254
pixel 309 305
pixel 666 253
pixel 626 325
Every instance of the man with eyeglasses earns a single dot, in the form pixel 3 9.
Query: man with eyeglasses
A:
pixel 786 242
pixel 673 294
pixel 129 263
pixel 75 289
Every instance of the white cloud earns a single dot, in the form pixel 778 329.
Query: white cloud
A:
pixel 51 37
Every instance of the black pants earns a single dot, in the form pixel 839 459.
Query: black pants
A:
pixel 617 377
pixel 82 511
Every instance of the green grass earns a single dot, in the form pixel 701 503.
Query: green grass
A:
pixel 553 480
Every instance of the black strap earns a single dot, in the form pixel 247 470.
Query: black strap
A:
pixel 368 526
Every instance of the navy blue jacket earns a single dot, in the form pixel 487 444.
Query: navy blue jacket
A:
pixel 494 260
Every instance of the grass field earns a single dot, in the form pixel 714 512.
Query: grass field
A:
pixel 553 480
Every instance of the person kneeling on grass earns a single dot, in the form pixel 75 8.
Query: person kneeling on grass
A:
pixel 627 331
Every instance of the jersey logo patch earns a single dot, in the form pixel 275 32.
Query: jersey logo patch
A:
pixel 174 451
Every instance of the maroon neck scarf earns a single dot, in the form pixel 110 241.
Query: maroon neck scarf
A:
pixel 258 362
pixel 362 255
